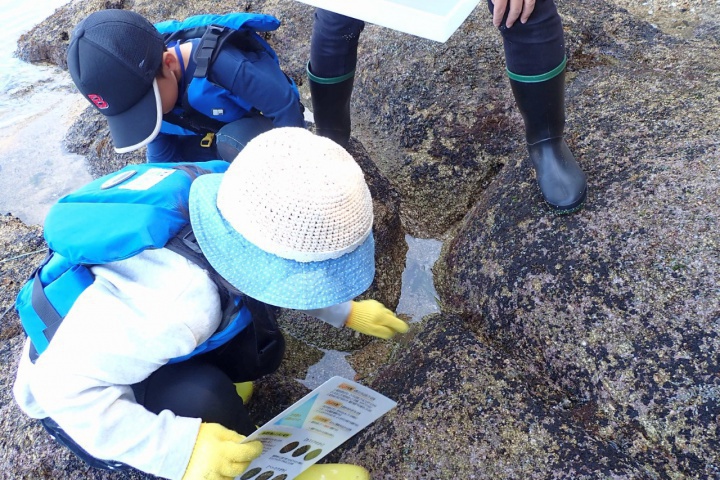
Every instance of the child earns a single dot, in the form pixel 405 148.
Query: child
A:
pixel 150 96
pixel 288 224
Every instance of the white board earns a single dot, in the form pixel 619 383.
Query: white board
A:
pixel 432 19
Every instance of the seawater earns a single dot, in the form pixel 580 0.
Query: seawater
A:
pixel 37 106
pixel 17 76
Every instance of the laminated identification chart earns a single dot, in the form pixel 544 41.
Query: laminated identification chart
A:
pixel 433 19
pixel 314 426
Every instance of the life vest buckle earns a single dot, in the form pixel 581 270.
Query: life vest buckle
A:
pixel 207 140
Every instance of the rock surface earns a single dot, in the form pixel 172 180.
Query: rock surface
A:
pixel 582 346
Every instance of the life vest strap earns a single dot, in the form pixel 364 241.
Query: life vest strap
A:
pixel 205 50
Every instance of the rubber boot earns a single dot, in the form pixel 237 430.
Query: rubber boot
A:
pixel 334 471
pixel 542 105
pixel 331 106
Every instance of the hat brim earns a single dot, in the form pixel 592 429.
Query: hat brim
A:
pixel 266 277
pixel 139 125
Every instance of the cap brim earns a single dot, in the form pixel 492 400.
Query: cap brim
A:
pixel 139 125
pixel 267 277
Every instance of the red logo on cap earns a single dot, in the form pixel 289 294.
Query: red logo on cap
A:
pixel 98 101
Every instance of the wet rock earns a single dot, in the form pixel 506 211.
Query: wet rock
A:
pixel 276 392
pixel 467 410
pixel 22 248
pixel 619 303
pixel 90 136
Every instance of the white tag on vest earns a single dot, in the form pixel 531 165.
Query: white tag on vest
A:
pixel 148 179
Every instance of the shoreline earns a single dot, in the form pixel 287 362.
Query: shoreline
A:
pixel 36 169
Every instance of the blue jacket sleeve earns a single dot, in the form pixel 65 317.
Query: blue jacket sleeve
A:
pixel 257 78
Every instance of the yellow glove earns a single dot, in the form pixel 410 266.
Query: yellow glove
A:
pixel 372 318
pixel 219 455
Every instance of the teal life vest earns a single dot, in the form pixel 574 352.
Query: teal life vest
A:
pixel 114 218
pixel 207 106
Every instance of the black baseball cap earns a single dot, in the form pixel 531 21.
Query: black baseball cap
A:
pixel 113 58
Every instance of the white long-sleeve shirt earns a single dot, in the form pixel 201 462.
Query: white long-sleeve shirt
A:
pixel 138 314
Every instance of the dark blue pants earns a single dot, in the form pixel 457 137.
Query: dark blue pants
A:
pixel 533 48
pixel 334 44
pixel 226 144
pixel 537 46
pixel 233 137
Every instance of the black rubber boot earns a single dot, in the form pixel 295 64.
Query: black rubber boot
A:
pixel 331 106
pixel 542 105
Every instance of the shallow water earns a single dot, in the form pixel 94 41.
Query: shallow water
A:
pixel 37 106
pixel 16 76
pixel 35 170
pixel 418 298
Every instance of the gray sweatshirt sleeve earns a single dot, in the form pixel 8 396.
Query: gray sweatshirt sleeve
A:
pixel 135 317
pixel 335 315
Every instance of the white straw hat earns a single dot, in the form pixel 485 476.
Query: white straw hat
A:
pixel 290 222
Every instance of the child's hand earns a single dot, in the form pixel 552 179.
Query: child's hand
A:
pixel 373 318
pixel 218 454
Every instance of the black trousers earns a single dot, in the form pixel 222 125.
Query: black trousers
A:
pixel 203 386
pixel 533 48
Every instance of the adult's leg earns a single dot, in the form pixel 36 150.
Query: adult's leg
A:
pixel 331 72
pixel 535 59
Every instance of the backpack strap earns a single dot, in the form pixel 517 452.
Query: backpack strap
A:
pixel 185 244
pixel 193 120
pixel 215 37
pixel 203 55
pixel 263 315
pixel 206 50
pixel 45 310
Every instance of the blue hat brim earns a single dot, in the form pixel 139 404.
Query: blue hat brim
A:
pixel 266 277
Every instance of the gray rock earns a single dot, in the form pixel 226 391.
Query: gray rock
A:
pixel 468 410
pixel 618 304
pixel 581 346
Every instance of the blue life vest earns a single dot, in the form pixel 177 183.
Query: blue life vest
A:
pixel 113 218
pixel 207 106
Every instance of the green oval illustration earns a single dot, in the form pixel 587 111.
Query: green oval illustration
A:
pixel 312 454
pixel 288 447
pixel 250 473
pixel 301 451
